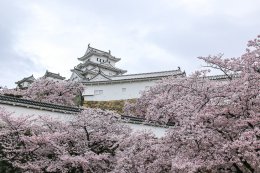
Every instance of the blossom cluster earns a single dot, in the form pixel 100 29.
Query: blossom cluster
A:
pixel 50 91
pixel 216 128
pixel 217 122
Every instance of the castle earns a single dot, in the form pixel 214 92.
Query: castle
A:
pixel 103 81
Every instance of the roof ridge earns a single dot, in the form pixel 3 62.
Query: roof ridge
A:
pixel 36 104
pixel 47 73
pixel 52 72
pixel 98 50
pixel 24 79
pixel 150 73
pixel 221 76
pixel 98 64
pixel 102 52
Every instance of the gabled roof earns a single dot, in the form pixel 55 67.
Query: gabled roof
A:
pixel 93 51
pixel 53 75
pixel 112 68
pixel 222 77
pixel 100 74
pixel 29 79
pixel 149 75
pixel 78 72
pixel 140 76
pixel 89 71
pixel 217 77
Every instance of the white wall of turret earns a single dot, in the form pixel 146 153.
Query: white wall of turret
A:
pixel 100 59
pixel 116 91
pixel 25 84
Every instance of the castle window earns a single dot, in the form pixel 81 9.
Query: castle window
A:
pixel 123 89
pixel 97 59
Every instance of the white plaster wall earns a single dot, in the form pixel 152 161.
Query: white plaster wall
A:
pixel 25 84
pixel 158 131
pixel 113 91
pixel 93 58
pixel 23 111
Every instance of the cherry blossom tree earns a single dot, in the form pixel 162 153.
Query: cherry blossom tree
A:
pixel 52 91
pixel 87 143
pixel 217 122
pixel 216 128
pixel 143 152
pixel 16 92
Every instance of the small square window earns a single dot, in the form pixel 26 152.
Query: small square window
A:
pixel 123 89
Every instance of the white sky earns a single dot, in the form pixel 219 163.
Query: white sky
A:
pixel 148 35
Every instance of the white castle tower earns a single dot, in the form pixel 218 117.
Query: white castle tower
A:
pixel 96 64
pixel 104 81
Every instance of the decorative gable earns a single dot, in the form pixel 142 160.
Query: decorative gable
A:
pixel 100 77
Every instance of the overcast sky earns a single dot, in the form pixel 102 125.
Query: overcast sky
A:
pixel 148 35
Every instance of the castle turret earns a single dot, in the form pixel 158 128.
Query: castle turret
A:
pixel 95 62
